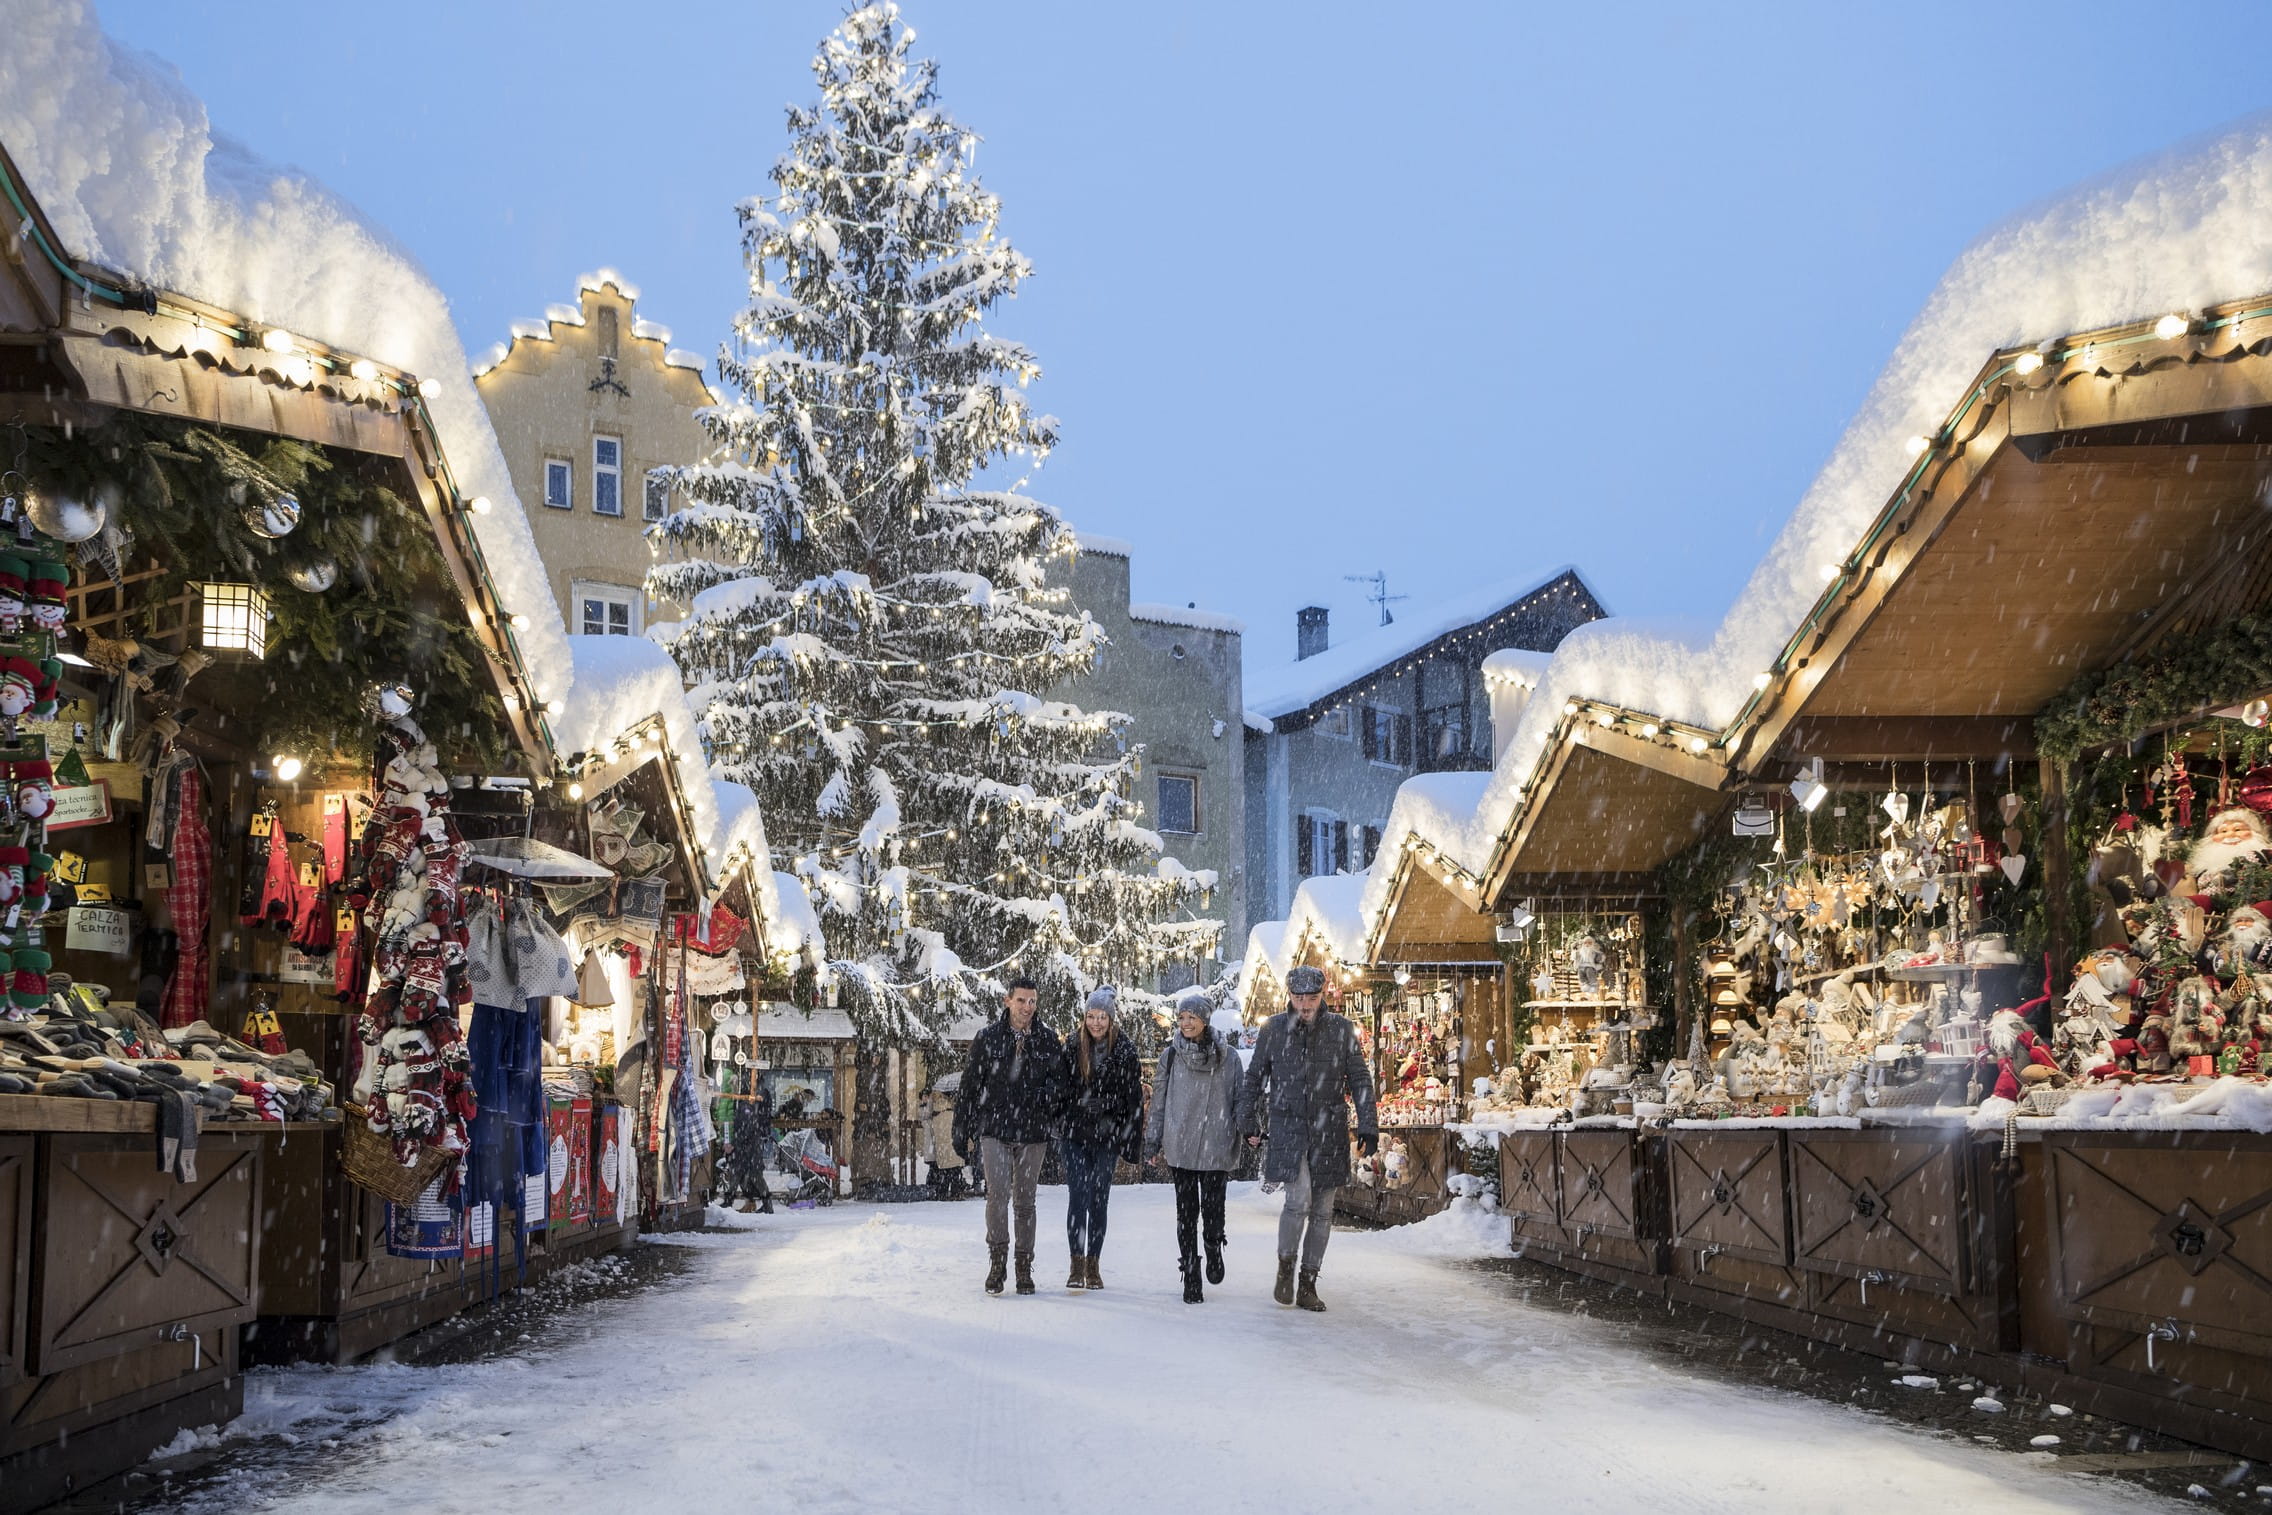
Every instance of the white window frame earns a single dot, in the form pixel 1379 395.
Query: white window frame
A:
pixel 613 594
pixel 567 500
pixel 1318 824
pixel 1411 736
pixel 1192 779
pixel 1336 723
pixel 654 496
pixel 613 471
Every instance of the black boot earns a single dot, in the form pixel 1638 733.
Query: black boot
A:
pixel 1025 1273
pixel 1192 1293
pixel 1214 1259
pixel 1283 1290
pixel 999 1269
pixel 1306 1294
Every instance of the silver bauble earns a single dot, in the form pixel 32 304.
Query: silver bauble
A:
pixel 273 518
pixel 64 519
pixel 315 577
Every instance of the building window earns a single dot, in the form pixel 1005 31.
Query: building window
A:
pixel 1368 845
pixel 1443 734
pixel 606 610
pixel 1445 740
pixel 1388 736
pixel 607 476
pixel 1335 722
pixel 1179 803
pixel 656 503
pixel 1322 844
pixel 559 484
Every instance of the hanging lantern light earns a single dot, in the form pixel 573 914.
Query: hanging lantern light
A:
pixel 233 618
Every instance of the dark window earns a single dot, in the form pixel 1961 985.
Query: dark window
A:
pixel 1446 734
pixel 1179 803
pixel 1322 845
pixel 559 484
pixel 1370 846
pixel 1443 733
pixel 607 337
pixel 1388 736
pixel 657 503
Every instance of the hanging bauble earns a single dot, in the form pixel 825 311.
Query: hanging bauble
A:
pixel 64 518
pixel 315 577
pixel 273 518
pixel 2256 789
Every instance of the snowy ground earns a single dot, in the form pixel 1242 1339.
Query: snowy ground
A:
pixel 846 1360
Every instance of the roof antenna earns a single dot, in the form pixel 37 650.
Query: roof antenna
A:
pixel 1380 595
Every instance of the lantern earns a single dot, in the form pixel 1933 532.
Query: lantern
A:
pixel 234 618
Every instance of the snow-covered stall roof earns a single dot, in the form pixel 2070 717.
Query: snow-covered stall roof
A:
pixel 2171 233
pixel 127 167
pixel 1281 691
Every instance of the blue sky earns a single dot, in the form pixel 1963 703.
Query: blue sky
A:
pixel 1460 293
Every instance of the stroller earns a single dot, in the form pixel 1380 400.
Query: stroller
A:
pixel 806 1158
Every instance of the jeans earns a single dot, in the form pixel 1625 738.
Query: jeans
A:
pixel 1306 1224
pixel 1013 1172
pixel 1198 1196
pixel 1088 1190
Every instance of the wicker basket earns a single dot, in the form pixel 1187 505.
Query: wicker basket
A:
pixel 367 1158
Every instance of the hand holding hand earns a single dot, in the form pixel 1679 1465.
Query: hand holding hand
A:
pixel 1369 1145
pixel 1254 1141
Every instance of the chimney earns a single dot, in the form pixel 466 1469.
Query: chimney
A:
pixel 1309 631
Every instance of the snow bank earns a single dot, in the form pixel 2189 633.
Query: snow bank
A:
pixel 1297 685
pixel 1469 1227
pixel 2227 1104
pixel 125 162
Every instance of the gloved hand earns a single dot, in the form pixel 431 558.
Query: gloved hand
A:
pixel 1368 1143
pixel 1151 1152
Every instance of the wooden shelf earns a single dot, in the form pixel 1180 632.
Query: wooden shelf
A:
pixel 66 1112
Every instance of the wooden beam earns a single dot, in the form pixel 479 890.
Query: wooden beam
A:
pixel 1907 738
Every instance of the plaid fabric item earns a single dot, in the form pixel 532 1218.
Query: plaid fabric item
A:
pixel 190 898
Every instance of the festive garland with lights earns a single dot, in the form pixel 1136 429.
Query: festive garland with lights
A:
pixel 2125 702
pixel 181 493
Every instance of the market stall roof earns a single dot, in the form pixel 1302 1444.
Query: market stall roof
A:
pixel 788 1024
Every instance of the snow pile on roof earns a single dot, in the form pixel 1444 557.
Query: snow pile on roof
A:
pixel 1297 685
pixel 1265 944
pixel 1110 547
pixel 650 331
pixel 126 164
pixel 679 357
pixel 1185 615
pixel 602 278
pixel 565 315
pixel 1519 663
pixel 792 926
pixel 489 357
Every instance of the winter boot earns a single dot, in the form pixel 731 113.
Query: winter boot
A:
pixel 1283 1290
pixel 1095 1279
pixel 1078 1277
pixel 999 1270
pixel 1306 1294
pixel 1025 1273
pixel 1192 1293
pixel 1215 1260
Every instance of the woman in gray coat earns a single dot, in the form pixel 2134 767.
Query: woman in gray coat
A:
pixel 1198 1112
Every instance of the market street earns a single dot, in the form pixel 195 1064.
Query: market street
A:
pixel 845 1360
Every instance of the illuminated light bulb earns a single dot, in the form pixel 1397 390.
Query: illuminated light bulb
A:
pixel 479 505
pixel 2027 363
pixel 364 369
pixel 428 388
pixel 1606 717
pixel 287 768
pixel 552 707
pixel 520 621
pixel 1761 680
pixel 1916 446
pixel 1830 572
pixel 1570 707
pixel 277 339
pixel 575 791
pixel 2173 326
pixel 1650 729
pixel 1697 744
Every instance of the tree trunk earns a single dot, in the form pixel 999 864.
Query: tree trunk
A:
pixel 871 1114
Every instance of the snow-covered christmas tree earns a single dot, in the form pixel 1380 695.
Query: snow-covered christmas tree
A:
pixel 870 627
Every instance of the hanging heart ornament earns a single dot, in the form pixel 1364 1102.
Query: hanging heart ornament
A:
pixel 2011 805
pixel 1896 805
pixel 2014 839
pixel 2013 865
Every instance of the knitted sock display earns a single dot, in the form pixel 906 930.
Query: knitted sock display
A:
pixel 28 985
pixel 14 573
pixel 44 592
pixel 38 867
pixel 14 863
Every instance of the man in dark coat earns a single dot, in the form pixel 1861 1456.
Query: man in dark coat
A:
pixel 1013 1091
pixel 1307 1067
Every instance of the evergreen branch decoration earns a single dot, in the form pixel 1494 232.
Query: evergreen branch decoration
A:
pixel 180 491
pixel 2120 704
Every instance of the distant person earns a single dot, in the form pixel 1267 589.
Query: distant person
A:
pixel 1307 1068
pixel 1104 1112
pixel 749 1155
pixel 939 1135
pixel 793 1108
pixel 1199 1107
pixel 1012 1090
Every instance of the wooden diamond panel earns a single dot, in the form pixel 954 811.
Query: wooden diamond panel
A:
pixel 1600 1189
pixel 1884 1205
pixel 1728 1194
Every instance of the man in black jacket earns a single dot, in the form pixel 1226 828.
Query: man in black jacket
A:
pixel 1013 1089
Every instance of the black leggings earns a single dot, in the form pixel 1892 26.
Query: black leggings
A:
pixel 1198 1195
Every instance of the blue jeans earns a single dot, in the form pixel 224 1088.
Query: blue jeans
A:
pixel 1088 1188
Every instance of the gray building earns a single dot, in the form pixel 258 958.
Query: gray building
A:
pixel 1330 736
pixel 1175 671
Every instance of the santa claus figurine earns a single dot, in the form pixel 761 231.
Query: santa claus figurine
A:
pixel 2247 943
pixel 2234 837
pixel 2016 1056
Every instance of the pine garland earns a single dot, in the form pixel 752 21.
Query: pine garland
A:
pixel 180 490
pixel 2120 704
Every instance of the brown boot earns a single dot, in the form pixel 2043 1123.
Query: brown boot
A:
pixel 999 1270
pixel 1095 1279
pixel 1306 1295
pixel 1078 1276
pixel 1283 1290
pixel 1025 1273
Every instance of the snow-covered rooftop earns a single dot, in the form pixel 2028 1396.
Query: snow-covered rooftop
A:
pixel 1185 615
pixel 1111 547
pixel 1283 690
